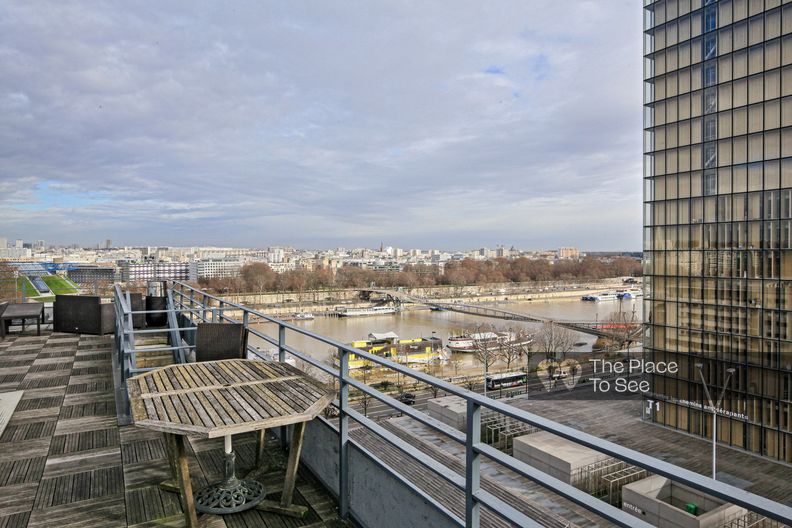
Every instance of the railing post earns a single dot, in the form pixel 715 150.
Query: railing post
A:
pixel 281 343
pixel 204 309
pixel 282 359
pixel 472 465
pixel 220 309
pixel 192 303
pixel 343 434
pixel 130 336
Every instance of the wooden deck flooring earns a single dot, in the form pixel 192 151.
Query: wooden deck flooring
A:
pixel 65 462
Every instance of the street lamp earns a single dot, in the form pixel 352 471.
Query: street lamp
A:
pixel 714 407
pixel 486 366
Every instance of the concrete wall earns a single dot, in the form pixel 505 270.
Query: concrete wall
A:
pixel 661 503
pixel 378 499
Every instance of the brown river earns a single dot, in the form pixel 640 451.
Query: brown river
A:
pixel 425 323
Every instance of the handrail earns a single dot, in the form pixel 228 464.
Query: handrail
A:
pixel 125 332
pixel 476 401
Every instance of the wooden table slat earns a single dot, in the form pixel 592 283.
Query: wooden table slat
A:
pixel 228 395
pixel 255 403
pixel 240 375
pixel 218 408
pixel 192 414
pixel 283 408
pixel 207 406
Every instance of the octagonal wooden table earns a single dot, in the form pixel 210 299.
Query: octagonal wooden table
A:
pixel 219 399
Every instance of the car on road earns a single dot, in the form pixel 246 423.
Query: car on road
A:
pixel 406 398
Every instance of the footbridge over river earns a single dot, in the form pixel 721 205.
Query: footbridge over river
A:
pixel 615 330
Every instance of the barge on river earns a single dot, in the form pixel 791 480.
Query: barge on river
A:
pixel 421 350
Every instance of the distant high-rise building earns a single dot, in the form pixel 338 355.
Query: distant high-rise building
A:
pixel 3 243
pixel 718 217
pixel 568 253
pixel 217 268
pixel 151 270
pixel 89 274
pixel 19 243
pixel 108 243
pixel 15 253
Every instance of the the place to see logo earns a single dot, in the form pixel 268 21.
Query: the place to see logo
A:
pixel 553 373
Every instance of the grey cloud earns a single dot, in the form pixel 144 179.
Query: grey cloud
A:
pixel 321 123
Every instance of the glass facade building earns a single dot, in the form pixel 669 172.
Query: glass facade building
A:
pixel 718 216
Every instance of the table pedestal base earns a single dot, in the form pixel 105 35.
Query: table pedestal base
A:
pixel 232 495
pixel 229 496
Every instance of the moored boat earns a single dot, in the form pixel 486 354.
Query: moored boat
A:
pixel 474 342
pixel 271 354
pixel 601 296
pixel 420 350
pixel 361 312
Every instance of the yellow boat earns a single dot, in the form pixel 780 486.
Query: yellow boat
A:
pixel 421 350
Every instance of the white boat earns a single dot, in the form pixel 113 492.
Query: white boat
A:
pixel 271 354
pixel 483 340
pixel 601 296
pixel 361 312
pixel 303 316
pixel 630 294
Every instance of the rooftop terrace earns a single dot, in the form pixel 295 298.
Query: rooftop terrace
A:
pixel 64 460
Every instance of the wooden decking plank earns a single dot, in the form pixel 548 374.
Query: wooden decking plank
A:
pixel 18 498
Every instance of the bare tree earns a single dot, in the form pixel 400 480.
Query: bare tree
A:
pixel 315 372
pixel 554 341
pixel 456 365
pixel 258 276
pixel 435 369
pixel 330 411
pixel 624 328
pixel 486 351
pixel 365 398
pixel 8 282
pixel 518 345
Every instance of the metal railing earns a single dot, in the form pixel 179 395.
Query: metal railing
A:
pixel 201 304
pixel 125 340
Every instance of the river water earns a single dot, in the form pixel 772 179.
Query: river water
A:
pixel 423 323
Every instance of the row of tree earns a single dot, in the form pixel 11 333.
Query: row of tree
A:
pixel 8 283
pixel 259 277
pixel 551 341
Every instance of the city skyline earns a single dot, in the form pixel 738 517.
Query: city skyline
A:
pixel 109 244
pixel 452 127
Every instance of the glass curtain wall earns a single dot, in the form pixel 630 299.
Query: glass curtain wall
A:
pixel 718 216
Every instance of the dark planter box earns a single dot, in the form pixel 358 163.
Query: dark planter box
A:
pixel 156 303
pixel 137 305
pixel 83 314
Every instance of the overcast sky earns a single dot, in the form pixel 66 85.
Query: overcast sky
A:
pixel 317 124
